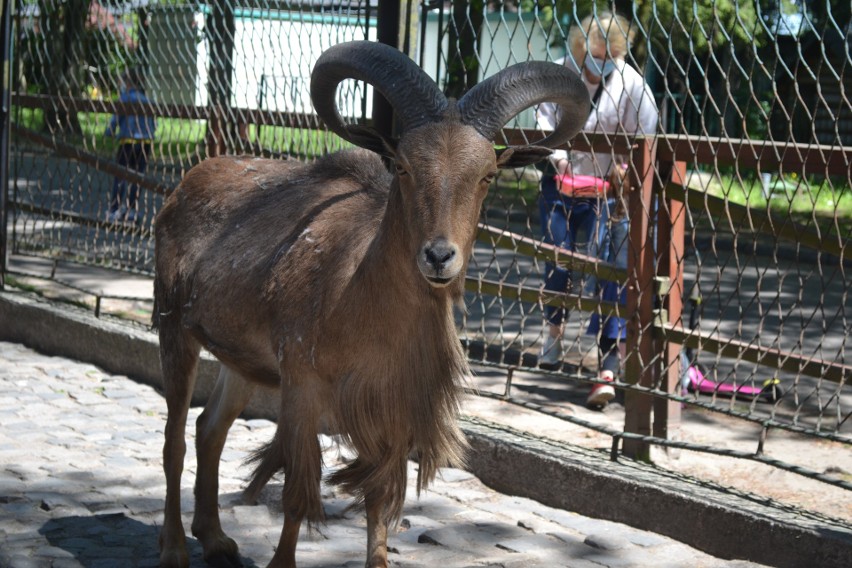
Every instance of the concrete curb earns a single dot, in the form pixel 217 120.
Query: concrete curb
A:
pixel 718 521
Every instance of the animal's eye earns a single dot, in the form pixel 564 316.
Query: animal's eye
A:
pixel 401 171
pixel 488 179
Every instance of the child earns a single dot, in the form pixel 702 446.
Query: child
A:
pixel 135 134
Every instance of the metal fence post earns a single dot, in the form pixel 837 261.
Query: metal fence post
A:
pixel 221 28
pixel 640 299
pixel 5 110
pixel 387 32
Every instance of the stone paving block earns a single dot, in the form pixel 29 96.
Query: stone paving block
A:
pixel 66 563
pixel 16 425
pixel 84 459
pixel 252 515
pixel 35 410
pixel 530 544
pixel 119 392
pixel 32 438
pixel 471 496
pixel 430 556
pixel 645 539
pixel 61 474
pixel 583 525
pixel 57 503
pixel 64 403
pixel 474 539
pixel 20 535
pixel 21 561
pixel 411 528
pixel 24 512
pixel 52 552
pixel 118 463
pixel 10 484
pixel 142 505
pixel 258 424
pixel 454 475
pixel 108 508
pixel 88 398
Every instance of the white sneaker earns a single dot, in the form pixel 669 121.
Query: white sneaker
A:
pixel 551 352
pixel 601 394
pixel 116 216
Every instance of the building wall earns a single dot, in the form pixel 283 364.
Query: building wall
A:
pixel 275 52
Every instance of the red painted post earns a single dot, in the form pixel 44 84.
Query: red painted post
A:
pixel 640 299
pixel 671 228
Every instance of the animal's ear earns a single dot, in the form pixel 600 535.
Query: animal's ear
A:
pixel 369 139
pixel 520 156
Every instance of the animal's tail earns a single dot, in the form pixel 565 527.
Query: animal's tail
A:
pixel 301 495
pixel 268 460
pixel 384 482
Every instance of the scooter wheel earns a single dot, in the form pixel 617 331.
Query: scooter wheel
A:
pixel 772 391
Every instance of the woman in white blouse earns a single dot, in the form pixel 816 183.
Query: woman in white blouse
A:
pixel 596 225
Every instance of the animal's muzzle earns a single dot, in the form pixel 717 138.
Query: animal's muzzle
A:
pixel 440 261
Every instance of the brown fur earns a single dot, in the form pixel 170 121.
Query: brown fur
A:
pixel 306 278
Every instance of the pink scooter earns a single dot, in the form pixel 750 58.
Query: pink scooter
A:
pixel 693 377
pixel 694 380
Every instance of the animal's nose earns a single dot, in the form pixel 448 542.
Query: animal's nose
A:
pixel 440 253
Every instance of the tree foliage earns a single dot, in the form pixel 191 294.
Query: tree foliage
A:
pixel 678 27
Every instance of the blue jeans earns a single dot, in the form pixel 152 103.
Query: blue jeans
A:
pixel 613 248
pixel 569 223
pixel 135 157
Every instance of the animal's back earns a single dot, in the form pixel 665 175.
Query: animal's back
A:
pixel 221 198
pixel 217 273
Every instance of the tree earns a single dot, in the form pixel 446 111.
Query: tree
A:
pixel 220 29
pixel 58 54
pixel 695 52
pixel 463 57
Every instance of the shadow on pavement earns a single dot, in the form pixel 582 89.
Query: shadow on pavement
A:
pixel 113 539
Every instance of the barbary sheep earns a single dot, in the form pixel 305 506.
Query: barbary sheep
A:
pixel 335 282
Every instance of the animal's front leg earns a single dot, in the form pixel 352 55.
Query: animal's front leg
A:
pixel 377 534
pixel 300 499
pixel 297 449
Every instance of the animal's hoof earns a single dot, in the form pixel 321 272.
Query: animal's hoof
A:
pixel 223 554
pixel 174 559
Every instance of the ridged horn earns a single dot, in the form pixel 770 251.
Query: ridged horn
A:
pixel 413 95
pixel 490 104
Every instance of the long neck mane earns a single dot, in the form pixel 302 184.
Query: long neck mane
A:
pixel 404 395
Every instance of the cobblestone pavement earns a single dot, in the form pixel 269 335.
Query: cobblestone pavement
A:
pixel 81 484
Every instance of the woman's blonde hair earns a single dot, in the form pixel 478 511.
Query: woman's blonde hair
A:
pixel 605 28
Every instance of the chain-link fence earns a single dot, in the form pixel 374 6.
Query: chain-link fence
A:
pixel 732 287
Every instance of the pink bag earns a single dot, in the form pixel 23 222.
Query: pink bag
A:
pixel 581 186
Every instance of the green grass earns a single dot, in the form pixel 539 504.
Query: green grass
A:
pixel 182 137
pixel 814 200
pixel 175 137
pixel 298 142
pixel 811 201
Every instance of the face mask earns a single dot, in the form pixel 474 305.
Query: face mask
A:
pixel 598 67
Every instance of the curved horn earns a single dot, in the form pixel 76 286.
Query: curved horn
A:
pixel 496 100
pixel 415 98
